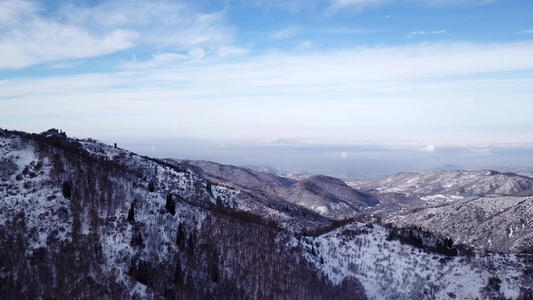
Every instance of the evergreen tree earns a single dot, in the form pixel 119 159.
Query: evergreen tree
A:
pixel 67 189
pixel 131 214
pixel 191 241
pixel 180 237
pixel 170 205
pixel 209 189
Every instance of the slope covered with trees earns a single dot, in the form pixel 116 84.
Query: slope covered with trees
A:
pixel 79 219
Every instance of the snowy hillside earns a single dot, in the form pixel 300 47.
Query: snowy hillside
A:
pixel 500 224
pixel 457 183
pixel 89 220
pixel 321 195
pixel 390 269
pixel 487 210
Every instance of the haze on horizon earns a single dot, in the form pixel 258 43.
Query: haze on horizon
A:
pixel 350 86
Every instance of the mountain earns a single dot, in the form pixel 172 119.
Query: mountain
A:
pixel 487 210
pixel 81 219
pixel 327 196
pixel 458 183
pixel 232 175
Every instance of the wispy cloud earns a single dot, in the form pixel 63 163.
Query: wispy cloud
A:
pixel 158 59
pixel 422 32
pixel 360 5
pixel 436 80
pixel 304 45
pixel 30 37
pixel 289 5
pixel 13 10
pixel 162 23
pixel 231 51
pixel 353 30
pixel 357 5
pixel 413 33
pixel 286 33
pixel 448 3
pixel 38 41
pixel 525 31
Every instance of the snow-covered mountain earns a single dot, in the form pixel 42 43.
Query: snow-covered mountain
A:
pixel 81 219
pixel 487 210
pixel 323 195
pixel 457 183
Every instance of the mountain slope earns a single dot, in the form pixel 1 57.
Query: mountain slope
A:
pixel 235 175
pixel 459 183
pixel 326 196
pixel 487 210
pixel 93 221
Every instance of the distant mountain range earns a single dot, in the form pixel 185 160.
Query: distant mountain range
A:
pixel 81 219
pixel 487 210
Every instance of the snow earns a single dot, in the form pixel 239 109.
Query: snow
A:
pixel 390 269
pixel 44 205
pixel 321 209
pixel 440 198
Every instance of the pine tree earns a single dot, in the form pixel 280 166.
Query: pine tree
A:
pixel 191 241
pixel 209 189
pixel 131 214
pixel 170 205
pixel 180 237
pixel 67 189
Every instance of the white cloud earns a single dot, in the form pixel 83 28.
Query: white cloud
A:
pixel 401 91
pixel 352 31
pixel 447 3
pixel 304 46
pixel 158 59
pixel 525 31
pixel 162 23
pixel 31 36
pixel 44 41
pixel 196 53
pixel 413 33
pixel 360 5
pixel 286 33
pixel 289 5
pixel 29 39
pixel 230 51
pixel 13 10
pixel 357 5
pixel 341 3
pixel 422 32
pixel 429 148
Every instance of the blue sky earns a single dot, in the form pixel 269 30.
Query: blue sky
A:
pixel 399 74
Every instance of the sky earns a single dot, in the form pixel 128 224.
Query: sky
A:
pixel 344 85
